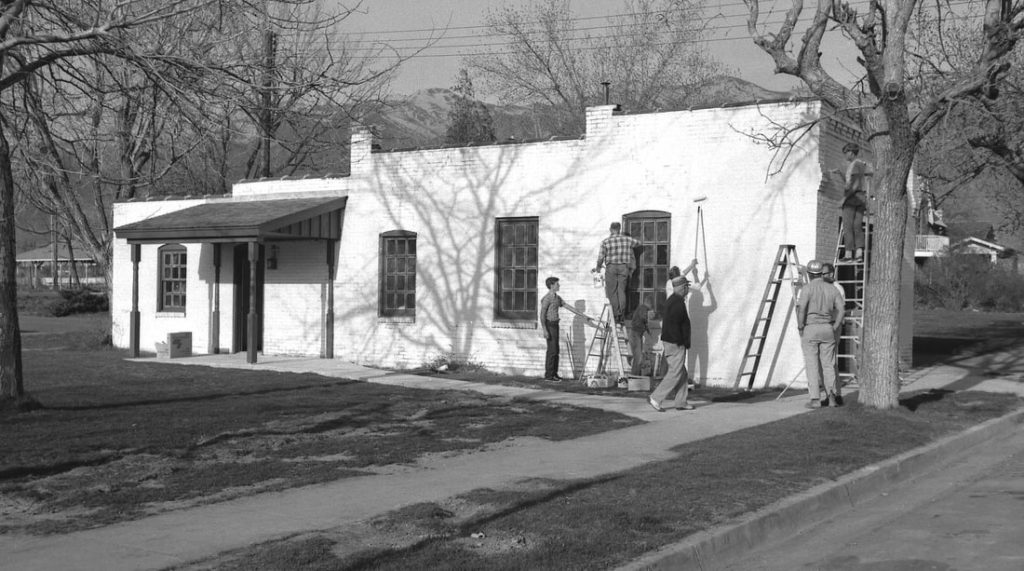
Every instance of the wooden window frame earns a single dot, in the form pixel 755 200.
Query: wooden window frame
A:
pixel 168 266
pixel 391 277
pixel 659 270
pixel 516 255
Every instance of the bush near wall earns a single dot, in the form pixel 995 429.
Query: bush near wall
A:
pixel 965 281
pixel 79 301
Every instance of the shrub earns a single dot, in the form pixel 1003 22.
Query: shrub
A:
pixel 450 361
pixel 962 281
pixel 79 301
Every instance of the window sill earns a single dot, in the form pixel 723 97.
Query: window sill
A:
pixel 397 319
pixel 514 324
pixel 169 314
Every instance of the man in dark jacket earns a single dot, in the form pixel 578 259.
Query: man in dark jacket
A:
pixel 675 337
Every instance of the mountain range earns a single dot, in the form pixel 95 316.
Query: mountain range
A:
pixel 421 119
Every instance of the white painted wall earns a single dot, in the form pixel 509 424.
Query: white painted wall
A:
pixel 626 163
pixel 451 198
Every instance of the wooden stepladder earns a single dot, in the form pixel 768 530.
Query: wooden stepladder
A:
pixel 608 343
pixel 786 267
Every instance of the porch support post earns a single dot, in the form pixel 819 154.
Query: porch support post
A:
pixel 133 320
pixel 329 321
pixel 214 344
pixel 254 260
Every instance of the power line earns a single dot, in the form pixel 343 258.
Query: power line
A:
pixel 486 28
pixel 430 51
pixel 425 52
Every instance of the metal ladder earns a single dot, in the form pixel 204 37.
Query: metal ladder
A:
pixel 607 338
pixel 852 275
pixel 786 261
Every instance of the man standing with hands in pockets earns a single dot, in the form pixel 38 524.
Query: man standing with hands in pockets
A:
pixel 819 312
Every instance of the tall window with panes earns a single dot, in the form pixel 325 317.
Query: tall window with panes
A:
pixel 398 274
pixel 173 277
pixel 515 269
pixel 653 230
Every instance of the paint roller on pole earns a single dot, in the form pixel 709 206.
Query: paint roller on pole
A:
pixel 701 235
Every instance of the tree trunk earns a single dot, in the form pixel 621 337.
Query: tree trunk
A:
pixel 879 370
pixel 72 265
pixel 11 381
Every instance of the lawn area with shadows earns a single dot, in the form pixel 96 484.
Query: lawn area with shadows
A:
pixel 604 522
pixel 115 440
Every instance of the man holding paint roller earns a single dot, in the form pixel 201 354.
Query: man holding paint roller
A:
pixel 615 256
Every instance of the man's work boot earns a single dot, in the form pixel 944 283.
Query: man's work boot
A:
pixel 832 400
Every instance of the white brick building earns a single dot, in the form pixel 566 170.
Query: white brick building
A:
pixel 403 250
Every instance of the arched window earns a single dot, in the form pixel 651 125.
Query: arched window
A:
pixel 397 274
pixel 173 278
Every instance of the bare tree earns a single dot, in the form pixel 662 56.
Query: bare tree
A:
pixel 299 86
pixel 469 120
pixel 650 56
pixel 895 120
pixel 33 37
pixel 106 98
pixel 978 147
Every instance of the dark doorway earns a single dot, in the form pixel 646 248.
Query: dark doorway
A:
pixel 243 293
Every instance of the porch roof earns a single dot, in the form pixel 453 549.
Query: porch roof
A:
pixel 243 221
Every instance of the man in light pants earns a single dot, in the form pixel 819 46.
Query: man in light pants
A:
pixel 675 338
pixel 819 313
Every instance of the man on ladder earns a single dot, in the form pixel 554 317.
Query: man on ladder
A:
pixel 855 185
pixel 819 313
pixel 616 255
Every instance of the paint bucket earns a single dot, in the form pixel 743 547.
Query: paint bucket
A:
pixel 639 383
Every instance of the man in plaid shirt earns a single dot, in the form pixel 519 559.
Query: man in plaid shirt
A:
pixel 616 256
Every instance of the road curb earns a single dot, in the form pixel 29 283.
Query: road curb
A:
pixel 708 549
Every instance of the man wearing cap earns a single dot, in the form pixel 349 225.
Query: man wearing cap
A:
pixel 819 313
pixel 616 256
pixel 855 186
pixel 675 338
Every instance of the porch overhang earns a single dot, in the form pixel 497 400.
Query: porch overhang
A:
pixel 243 221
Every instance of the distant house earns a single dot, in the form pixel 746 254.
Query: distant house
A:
pixel 974 238
pixel 427 251
pixel 35 266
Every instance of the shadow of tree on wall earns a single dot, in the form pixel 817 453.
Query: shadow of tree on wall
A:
pixel 452 198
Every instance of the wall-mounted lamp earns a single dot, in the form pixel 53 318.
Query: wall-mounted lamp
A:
pixel 272 258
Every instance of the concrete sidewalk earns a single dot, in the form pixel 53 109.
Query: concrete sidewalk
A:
pixel 186 535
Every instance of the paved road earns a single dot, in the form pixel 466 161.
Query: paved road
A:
pixel 968 515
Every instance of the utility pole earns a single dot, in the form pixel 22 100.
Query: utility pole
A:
pixel 267 89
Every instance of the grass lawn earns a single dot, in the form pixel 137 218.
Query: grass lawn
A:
pixel 941 333
pixel 605 522
pixel 117 440
pixel 537 524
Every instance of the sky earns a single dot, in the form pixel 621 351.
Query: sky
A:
pixel 406 23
